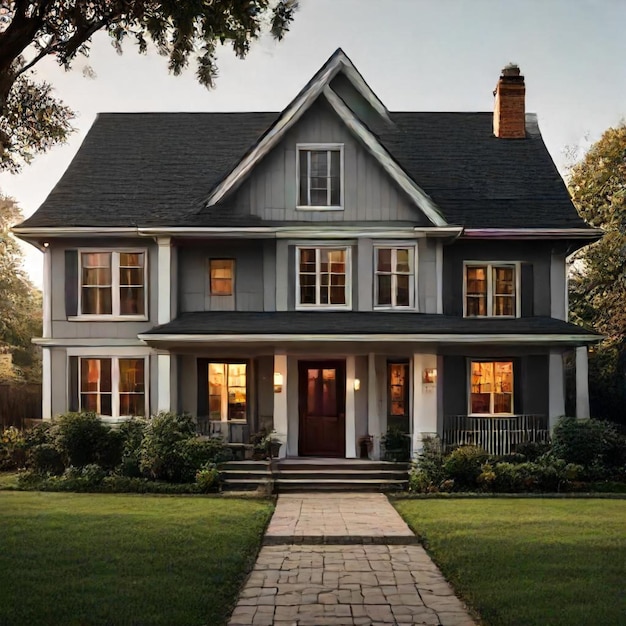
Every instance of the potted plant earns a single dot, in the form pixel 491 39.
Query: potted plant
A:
pixel 397 445
pixel 273 441
pixel 366 443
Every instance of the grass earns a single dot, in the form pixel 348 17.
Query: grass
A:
pixel 90 559
pixel 529 562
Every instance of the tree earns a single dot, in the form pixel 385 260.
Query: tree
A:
pixel 20 302
pixel 30 30
pixel 598 286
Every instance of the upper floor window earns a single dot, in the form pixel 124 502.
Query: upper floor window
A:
pixel 491 388
pixel 113 386
pixel 112 283
pixel 323 277
pixel 320 173
pixel 491 290
pixel 395 277
pixel 222 276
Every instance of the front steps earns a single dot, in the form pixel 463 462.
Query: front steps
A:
pixel 304 474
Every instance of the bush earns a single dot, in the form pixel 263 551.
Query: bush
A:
pixel 589 442
pixel 12 449
pixel 427 472
pixel 464 466
pixel 532 450
pixel 164 453
pixel 397 445
pixel 82 439
pixel 44 458
pixel 41 433
pixel 131 433
pixel 207 478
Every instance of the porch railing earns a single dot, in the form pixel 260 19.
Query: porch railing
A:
pixel 231 432
pixel 496 435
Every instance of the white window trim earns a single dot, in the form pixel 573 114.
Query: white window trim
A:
pixel 413 306
pixel 490 295
pixel 115 287
pixel 348 286
pixel 115 356
pixel 321 146
pixel 469 386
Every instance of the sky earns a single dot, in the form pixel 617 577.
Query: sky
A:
pixel 417 55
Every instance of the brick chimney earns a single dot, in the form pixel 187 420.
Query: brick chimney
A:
pixel 509 114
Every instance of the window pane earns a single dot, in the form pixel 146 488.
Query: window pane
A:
pixel 131 259
pixel 504 305
pixel 89 374
pixel 236 391
pixel 398 390
pixel 131 276
pixel 480 403
pixel 335 181
pixel 93 276
pixel 307 260
pixel 329 392
pixel 319 163
pixel 403 294
pixel 96 259
pixel 221 274
pixel 96 301
pixel 384 289
pixel 502 403
pixel 307 289
pixel 384 260
pixel 105 375
pixel 132 404
pixel 503 376
pixel 132 375
pixel 131 301
pixel 476 305
pixel 476 280
pixel 402 260
pixel 106 405
pixel 504 280
pixel 318 197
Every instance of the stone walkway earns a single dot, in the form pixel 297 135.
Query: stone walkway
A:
pixel 368 569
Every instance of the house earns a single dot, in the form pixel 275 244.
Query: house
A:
pixel 327 271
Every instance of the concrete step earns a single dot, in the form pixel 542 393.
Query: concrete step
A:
pixel 328 484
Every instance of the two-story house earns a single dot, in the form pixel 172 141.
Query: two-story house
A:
pixel 327 271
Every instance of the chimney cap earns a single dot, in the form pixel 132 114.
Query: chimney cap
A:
pixel 512 69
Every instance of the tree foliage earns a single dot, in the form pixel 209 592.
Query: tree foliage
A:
pixel 31 30
pixel 598 287
pixel 20 302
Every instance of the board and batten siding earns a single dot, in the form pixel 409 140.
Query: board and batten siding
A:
pixel 194 280
pixel 369 193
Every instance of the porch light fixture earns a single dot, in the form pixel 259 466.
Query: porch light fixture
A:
pixel 357 384
pixel 430 375
pixel 278 382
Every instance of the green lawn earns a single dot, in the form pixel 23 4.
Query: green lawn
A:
pixel 529 562
pixel 87 559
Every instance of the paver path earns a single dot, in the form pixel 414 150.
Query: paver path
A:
pixel 296 581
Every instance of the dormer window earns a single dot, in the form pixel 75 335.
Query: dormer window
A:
pixel 320 176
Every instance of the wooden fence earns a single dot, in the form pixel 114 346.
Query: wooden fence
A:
pixel 496 435
pixel 20 404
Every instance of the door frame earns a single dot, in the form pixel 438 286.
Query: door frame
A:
pixel 340 367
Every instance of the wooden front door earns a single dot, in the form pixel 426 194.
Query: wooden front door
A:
pixel 322 407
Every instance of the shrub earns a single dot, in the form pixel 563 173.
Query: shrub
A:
pixel 588 442
pixel 397 445
pixel 427 472
pixel 82 438
pixel 464 465
pixel 164 454
pixel 207 478
pixel 44 458
pixel 531 450
pixel 41 433
pixel 12 449
pixel 131 433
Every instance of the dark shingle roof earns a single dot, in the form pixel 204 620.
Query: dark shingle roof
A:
pixel 359 322
pixel 155 169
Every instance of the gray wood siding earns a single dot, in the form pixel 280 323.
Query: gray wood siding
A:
pixel 537 253
pixel 194 283
pixel 369 193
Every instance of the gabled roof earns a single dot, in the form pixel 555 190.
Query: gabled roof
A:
pixel 158 169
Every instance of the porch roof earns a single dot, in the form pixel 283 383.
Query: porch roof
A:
pixel 263 326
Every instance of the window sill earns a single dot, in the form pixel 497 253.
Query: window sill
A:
pixel 108 318
pixel 491 414
pixel 318 208
pixel 408 309
pixel 322 307
pixel 491 317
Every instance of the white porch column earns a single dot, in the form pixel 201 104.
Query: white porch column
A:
pixel 164 272
pixel 47 292
pixel 280 402
pixel 424 401
pixel 164 377
pixel 556 381
pixel 350 408
pixel 582 383
pixel 373 414
pixel 46 384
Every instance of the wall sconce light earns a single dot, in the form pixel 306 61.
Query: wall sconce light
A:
pixel 278 382
pixel 357 384
pixel 430 375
